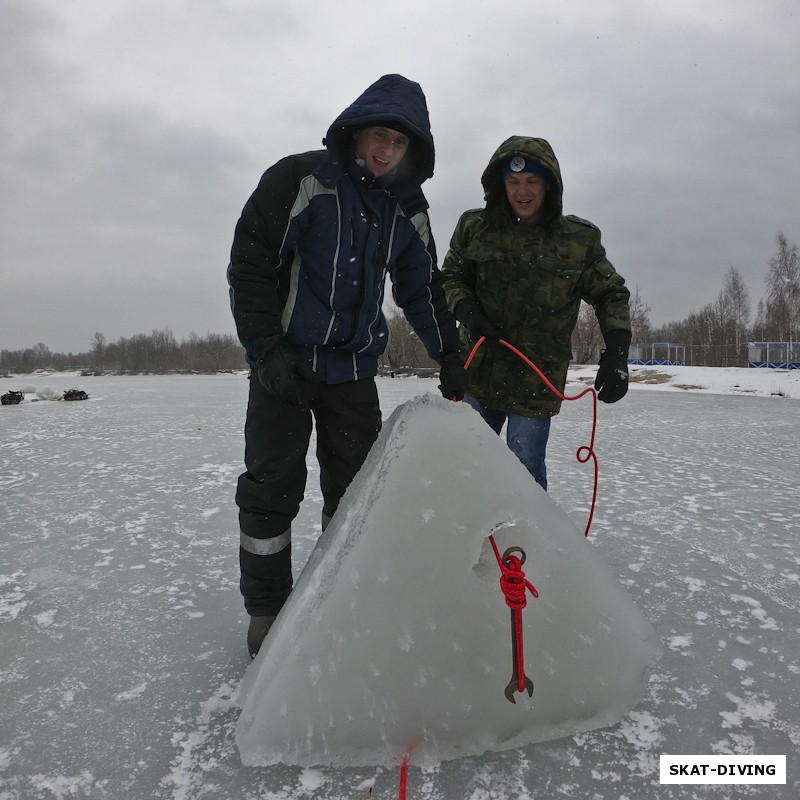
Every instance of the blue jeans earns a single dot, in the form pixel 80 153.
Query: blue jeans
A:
pixel 526 436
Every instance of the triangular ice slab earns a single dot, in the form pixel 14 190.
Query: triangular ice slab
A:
pixel 397 636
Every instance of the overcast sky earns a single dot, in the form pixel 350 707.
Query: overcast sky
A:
pixel 133 131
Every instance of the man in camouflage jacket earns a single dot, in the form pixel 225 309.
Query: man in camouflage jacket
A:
pixel 517 270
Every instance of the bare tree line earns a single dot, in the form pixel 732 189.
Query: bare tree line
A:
pixel 156 352
pixel 717 334
pixel 714 335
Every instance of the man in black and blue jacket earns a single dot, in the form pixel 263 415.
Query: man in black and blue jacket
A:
pixel 307 273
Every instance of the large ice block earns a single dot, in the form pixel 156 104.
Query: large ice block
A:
pixel 397 636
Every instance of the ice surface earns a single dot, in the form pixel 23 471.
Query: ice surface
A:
pixel 118 570
pixel 397 637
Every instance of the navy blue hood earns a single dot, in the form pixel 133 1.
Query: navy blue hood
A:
pixel 391 98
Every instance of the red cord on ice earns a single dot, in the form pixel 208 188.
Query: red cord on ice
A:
pixel 512 580
pixel 404 776
pixel 584 453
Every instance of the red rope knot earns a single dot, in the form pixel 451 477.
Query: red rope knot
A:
pixel 513 581
pixel 512 578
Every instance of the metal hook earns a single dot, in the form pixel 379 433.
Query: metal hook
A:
pixel 514 550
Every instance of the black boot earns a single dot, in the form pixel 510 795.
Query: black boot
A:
pixel 258 629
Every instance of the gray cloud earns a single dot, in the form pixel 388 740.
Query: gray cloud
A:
pixel 132 134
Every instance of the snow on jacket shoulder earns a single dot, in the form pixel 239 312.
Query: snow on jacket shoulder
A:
pixel 318 236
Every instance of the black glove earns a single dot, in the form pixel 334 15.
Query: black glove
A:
pixel 453 377
pixel 612 374
pixel 469 313
pixel 278 372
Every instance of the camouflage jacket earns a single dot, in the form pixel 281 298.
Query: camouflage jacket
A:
pixel 529 281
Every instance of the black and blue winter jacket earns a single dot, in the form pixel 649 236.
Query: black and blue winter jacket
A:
pixel 319 234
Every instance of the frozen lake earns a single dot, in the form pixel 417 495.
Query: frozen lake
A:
pixel 122 629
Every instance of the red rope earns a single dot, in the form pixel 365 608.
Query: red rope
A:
pixel 584 453
pixel 512 579
pixel 404 776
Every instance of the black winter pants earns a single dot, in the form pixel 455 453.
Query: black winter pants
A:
pixel 269 493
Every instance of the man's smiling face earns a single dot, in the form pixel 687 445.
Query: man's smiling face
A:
pixel 525 192
pixel 382 149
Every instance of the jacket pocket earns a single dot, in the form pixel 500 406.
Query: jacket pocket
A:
pixel 558 283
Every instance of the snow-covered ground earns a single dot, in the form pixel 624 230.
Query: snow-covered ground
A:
pixel 721 380
pixel 122 631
